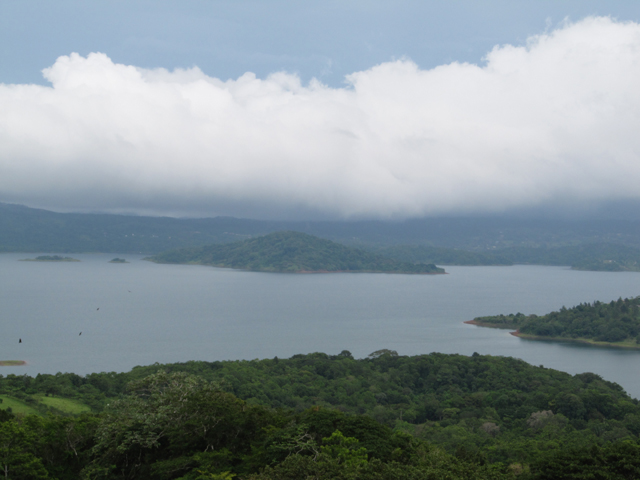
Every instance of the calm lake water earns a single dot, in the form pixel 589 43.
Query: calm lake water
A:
pixel 141 313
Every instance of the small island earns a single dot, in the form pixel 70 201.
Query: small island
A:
pixel 118 260
pixel 614 324
pixel 291 252
pixel 50 258
pixel 12 363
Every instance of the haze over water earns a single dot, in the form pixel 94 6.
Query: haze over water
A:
pixel 173 313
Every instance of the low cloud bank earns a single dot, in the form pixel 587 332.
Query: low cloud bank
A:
pixel 553 122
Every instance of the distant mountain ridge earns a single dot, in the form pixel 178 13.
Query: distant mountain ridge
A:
pixel 590 245
pixel 291 252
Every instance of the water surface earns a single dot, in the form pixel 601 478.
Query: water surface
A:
pixel 140 313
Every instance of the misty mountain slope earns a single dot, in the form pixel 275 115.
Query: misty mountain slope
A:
pixel 291 252
pixel 24 229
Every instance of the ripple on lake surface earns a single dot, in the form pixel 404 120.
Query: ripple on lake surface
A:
pixel 169 313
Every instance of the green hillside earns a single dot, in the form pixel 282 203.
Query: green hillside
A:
pixel 609 324
pixel 291 252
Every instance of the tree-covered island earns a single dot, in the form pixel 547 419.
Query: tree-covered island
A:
pixel 118 260
pixel 51 258
pixel 605 324
pixel 291 252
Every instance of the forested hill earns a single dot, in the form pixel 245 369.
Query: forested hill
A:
pixel 616 323
pixel 291 252
pixel 385 417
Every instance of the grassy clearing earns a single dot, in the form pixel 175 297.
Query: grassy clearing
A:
pixel 16 406
pixel 66 405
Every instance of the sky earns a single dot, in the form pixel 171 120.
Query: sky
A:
pixel 320 110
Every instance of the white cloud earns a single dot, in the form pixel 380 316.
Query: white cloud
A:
pixel 555 121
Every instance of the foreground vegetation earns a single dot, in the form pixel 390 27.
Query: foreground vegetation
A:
pixel 291 252
pixel 326 417
pixel 612 324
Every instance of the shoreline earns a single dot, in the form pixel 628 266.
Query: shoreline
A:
pixel 149 259
pixel 489 325
pixel 524 336
pixel 352 271
pixel 583 341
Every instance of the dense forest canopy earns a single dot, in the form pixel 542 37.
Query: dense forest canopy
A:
pixel 291 252
pixel 617 322
pixel 324 416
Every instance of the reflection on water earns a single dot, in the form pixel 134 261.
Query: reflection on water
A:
pixel 168 313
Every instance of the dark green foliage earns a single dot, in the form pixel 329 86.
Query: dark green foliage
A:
pixel 329 417
pixel 617 321
pixel 479 402
pixel 512 321
pixel 617 461
pixel 476 401
pixel 291 252
pixel 173 416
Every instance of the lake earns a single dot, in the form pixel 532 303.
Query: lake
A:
pixel 140 313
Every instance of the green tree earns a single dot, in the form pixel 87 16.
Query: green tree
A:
pixel 17 458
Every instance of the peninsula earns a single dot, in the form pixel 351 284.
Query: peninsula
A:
pixel 614 324
pixel 291 252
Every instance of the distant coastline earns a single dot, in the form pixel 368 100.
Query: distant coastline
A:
pixel 585 341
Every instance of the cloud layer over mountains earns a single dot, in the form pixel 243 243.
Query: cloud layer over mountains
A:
pixel 554 122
